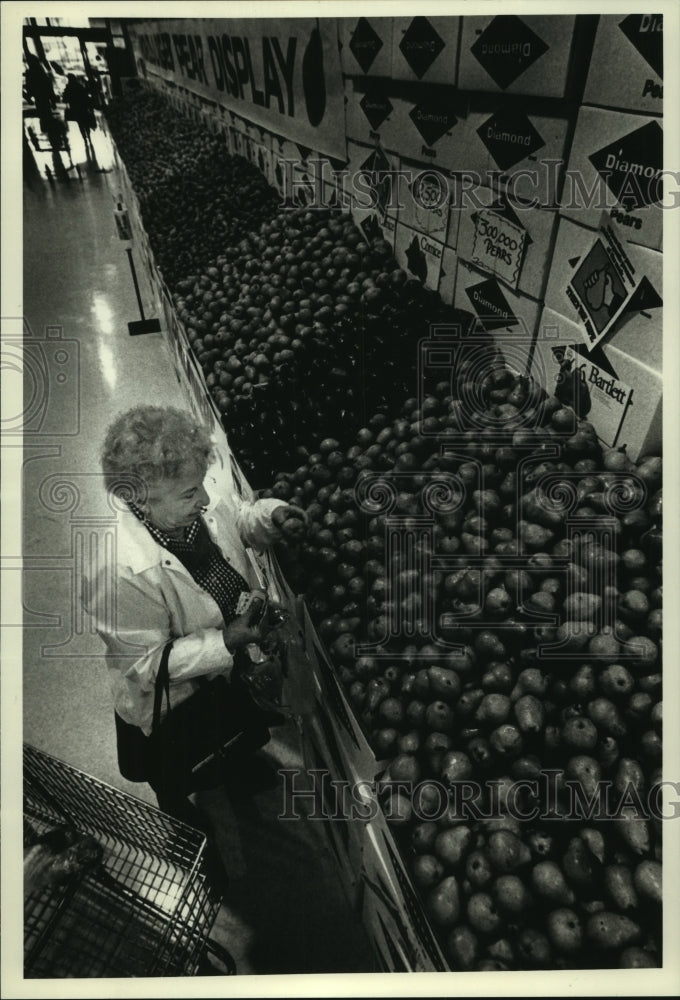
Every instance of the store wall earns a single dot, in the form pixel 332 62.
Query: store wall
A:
pixel 500 135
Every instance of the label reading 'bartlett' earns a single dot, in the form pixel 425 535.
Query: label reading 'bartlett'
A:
pixel 420 46
pixel 365 44
pixel 491 305
pixel 507 48
pixel 606 398
pixel 510 137
pixel 645 32
pixel 498 246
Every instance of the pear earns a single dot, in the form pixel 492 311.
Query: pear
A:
pixel 637 958
pixel 456 766
pixel 445 684
pixel 439 717
pixel 423 837
pixel 618 884
pixel 607 752
pixel 421 685
pixel 533 947
pixel 639 706
pixel 529 714
pixel 427 871
pixel 650 470
pixel 532 680
pixel 452 845
pixel 565 931
pixel 502 951
pixel 611 931
pixel 534 537
pixel 480 752
pixel 650 744
pixel 377 690
pixel 548 882
pixel 528 766
pixel 615 681
pixel 645 653
pixel 574 636
pixel 634 831
pixel 606 717
pixel 629 774
pixel 582 606
pixel 506 741
pixel 462 948
pixel 491 965
pixel 583 682
pixel 478 869
pixel 594 841
pixel 443 902
pixel 586 771
pixel 579 733
pixel 498 677
pixel 647 880
pixel 604 648
pixel 577 863
pixel 616 460
pixel 511 894
pixel 483 914
pixel 541 844
pixel 493 708
pixel 503 850
pixel 469 701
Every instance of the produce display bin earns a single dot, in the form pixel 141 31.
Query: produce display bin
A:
pixel 145 910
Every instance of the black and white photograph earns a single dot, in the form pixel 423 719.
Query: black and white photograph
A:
pixel 334 443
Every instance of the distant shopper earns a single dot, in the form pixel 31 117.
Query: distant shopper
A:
pixel 80 107
pixel 39 88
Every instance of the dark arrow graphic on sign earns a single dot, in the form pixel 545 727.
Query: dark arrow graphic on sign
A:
pixel 491 305
pixel 573 261
pixel 507 48
pixel 415 258
pixel 644 297
pixel 645 32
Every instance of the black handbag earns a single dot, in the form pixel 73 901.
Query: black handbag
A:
pixel 196 739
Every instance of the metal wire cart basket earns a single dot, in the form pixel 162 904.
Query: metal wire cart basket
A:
pixel 144 909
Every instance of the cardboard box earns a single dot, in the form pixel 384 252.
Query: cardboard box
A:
pixel 425 49
pixel 506 146
pixel 373 204
pixel 391 902
pixel 366 46
pixel 626 67
pixel 419 255
pixel 510 318
pixel 624 395
pixel 430 131
pixel 369 112
pixel 616 159
pixel 447 276
pixel 638 329
pixel 425 196
pixel 514 54
pixel 509 240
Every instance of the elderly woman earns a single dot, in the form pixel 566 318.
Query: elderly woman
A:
pixel 180 567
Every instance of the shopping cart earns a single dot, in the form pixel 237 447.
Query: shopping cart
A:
pixel 146 909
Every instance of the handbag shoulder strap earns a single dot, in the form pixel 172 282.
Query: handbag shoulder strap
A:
pixel 163 685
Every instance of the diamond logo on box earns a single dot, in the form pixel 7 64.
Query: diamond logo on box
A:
pixel 645 32
pixel 491 305
pixel 506 48
pixel 432 121
pixel 420 46
pixel 631 166
pixel 365 44
pixel 510 137
pixel 377 106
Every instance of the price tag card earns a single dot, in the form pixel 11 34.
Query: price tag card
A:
pixel 498 246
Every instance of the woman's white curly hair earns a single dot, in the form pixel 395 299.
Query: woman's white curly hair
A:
pixel 148 444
